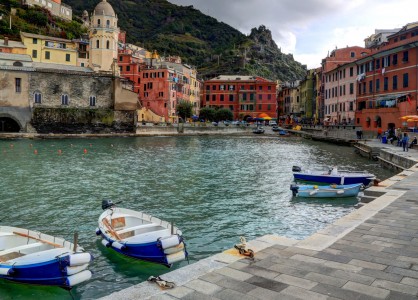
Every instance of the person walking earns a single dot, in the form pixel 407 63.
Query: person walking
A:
pixel 405 142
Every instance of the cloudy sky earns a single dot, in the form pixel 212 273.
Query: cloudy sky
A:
pixel 311 28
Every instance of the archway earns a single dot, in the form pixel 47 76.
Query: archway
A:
pixel 8 125
pixel 377 122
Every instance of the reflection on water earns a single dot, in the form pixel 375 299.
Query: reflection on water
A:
pixel 215 189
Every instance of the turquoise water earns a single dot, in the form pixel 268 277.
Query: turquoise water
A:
pixel 215 189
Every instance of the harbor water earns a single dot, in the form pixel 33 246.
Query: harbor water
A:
pixel 215 189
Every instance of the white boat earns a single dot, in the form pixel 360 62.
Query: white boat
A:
pixel 141 236
pixel 28 256
pixel 329 191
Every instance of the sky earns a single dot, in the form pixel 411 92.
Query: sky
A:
pixel 309 29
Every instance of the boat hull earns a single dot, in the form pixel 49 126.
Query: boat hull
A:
pixel 337 191
pixel 334 179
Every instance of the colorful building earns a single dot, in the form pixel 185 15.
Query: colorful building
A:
pixel 47 49
pixel 56 7
pixel 308 104
pixel 14 47
pixel 387 82
pixel 245 96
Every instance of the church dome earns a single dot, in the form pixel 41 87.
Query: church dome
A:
pixel 105 9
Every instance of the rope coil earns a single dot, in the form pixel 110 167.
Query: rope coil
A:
pixel 163 284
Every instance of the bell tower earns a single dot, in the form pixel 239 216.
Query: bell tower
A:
pixel 103 34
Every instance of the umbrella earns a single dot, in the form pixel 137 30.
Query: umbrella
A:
pixel 409 117
pixel 267 118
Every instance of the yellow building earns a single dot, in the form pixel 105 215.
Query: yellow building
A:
pixel 47 49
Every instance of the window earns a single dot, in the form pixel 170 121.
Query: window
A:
pixel 64 99
pixel 107 23
pixel 395 82
pixel 207 97
pixel 260 88
pixel 405 80
pixel 231 97
pixel 107 45
pixel 377 85
pixel 213 87
pixel 260 106
pixel 35 53
pixel 97 44
pixel 260 97
pixel 213 97
pixel 385 83
pixel 395 59
pixel 222 97
pixel 405 56
pixel 352 54
pixel 120 58
pixel 67 57
pixel 49 44
pixel 269 97
pixel 128 68
pixel 92 100
pixel 370 86
pixel 62 46
pixel 244 97
pixel 222 87
pixel 351 72
pixel 269 107
pixel 269 87
pixel 377 64
pixel 47 55
pixel 18 85
pixel 37 97
pixel 351 88
pixel 231 107
pixel 35 41
pixel 232 87
pixel 98 22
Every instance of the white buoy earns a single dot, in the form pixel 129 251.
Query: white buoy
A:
pixel 79 259
pixel 6 271
pixel 75 270
pixel 170 241
pixel 175 257
pixel 78 278
pixel 171 250
pixel 118 245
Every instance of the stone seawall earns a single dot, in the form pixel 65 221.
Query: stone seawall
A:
pixel 182 129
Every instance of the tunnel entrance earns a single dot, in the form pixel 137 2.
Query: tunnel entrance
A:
pixel 8 125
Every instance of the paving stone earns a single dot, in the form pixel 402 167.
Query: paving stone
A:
pixel 366 290
pixel 264 294
pixel 403 272
pixel 397 287
pixel 366 264
pixel 296 281
pixel 262 272
pixel 267 283
pixel 236 285
pixel 338 258
pixel 410 281
pixel 233 295
pixel 236 274
pixel 279 268
pixel 203 287
pixel 198 296
pixel 179 291
pixel 303 294
pixel 321 278
pixel 339 293
pixel 162 297
pixel 212 277
pixel 238 265
pixel 350 276
pixel 382 275
pixel 400 296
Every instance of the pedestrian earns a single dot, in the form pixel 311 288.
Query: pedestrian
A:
pixel 379 133
pixel 414 142
pixel 405 141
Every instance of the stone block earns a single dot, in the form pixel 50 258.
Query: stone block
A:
pixel 366 290
pixel 398 287
pixel 203 287
pixel 296 281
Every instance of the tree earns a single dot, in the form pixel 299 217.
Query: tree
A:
pixel 224 114
pixel 184 109
pixel 207 113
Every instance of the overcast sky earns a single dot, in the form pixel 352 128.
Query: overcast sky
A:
pixel 310 28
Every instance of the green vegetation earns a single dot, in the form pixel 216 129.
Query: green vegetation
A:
pixel 207 114
pixel 184 109
pixel 223 114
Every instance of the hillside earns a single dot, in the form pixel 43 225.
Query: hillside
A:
pixel 202 41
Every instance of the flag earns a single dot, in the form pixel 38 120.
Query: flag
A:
pixel 409 99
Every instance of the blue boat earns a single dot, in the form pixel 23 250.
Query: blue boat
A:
pixel 333 176
pixel 329 191
pixel 32 257
pixel 141 236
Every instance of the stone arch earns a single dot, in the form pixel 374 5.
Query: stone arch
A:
pixel 9 123
pixel 377 121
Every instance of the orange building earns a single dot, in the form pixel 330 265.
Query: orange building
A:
pixel 387 82
pixel 245 96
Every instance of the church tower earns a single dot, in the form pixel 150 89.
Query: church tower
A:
pixel 103 34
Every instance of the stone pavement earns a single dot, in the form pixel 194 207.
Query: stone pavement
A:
pixel 371 253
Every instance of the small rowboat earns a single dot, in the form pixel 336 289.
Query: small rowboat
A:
pixel 138 235
pixel 28 256
pixel 329 191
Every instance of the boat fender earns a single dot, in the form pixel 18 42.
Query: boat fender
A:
pixel 339 192
pixel 171 250
pixel 106 243
pixel 98 231
pixel 79 259
pixel 296 169
pixel 119 246
pixel 78 278
pixel 294 188
pixel 169 241
pixel 175 257
pixel 6 271
pixel 313 192
pixel 74 270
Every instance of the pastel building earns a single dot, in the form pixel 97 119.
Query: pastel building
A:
pixel 387 82
pixel 15 47
pixel 47 49
pixel 56 7
pixel 245 96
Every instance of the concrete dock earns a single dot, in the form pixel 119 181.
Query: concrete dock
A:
pixel 372 253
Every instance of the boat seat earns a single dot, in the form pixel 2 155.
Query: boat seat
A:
pixel 18 249
pixel 138 236
pixel 136 227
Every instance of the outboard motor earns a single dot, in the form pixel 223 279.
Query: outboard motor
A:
pixel 296 169
pixel 294 188
pixel 107 203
